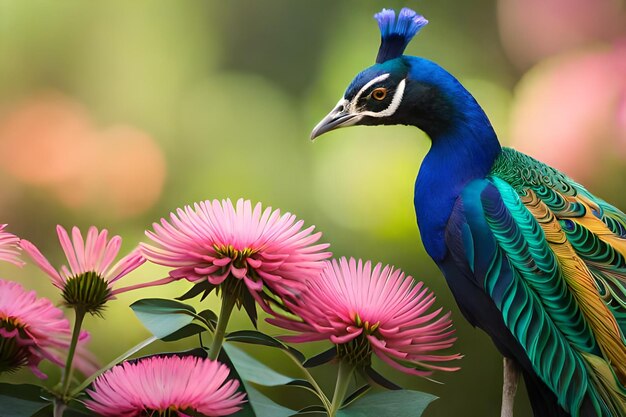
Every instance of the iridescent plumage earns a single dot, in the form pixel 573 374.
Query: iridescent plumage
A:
pixel 531 257
pixel 551 257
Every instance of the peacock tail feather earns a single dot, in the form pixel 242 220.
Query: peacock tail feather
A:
pixel 567 250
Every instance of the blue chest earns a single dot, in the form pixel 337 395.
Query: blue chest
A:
pixel 448 167
pixel 433 201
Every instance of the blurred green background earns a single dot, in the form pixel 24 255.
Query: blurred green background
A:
pixel 115 113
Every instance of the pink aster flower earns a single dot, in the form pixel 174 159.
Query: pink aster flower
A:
pixel 162 385
pixel 87 283
pixel 33 329
pixel 378 310
pixel 9 247
pixel 214 240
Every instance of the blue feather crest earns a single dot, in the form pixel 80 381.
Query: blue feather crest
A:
pixel 396 35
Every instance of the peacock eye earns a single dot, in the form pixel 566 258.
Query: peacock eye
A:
pixel 379 93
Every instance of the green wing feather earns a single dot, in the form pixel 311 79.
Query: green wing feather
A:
pixel 524 280
pixel 529 254
pixel 568 248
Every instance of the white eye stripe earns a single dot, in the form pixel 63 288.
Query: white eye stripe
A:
pixel 393 106
pixel 358 95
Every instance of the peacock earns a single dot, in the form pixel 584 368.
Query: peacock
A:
pixel 530 256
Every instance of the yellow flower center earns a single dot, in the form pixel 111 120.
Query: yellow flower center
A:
pixel 358 351
pixel 368 327
pixel 228 251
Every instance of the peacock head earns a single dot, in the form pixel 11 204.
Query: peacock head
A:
pixel 398 89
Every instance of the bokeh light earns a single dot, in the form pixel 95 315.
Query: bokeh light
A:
pixel 532 30
pixel 49 141
pixel 568 113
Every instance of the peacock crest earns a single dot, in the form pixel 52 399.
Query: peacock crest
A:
pixel 395 35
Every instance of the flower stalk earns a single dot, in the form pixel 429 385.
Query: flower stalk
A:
pixel 67 373
pixel 341 387
pixel 228 304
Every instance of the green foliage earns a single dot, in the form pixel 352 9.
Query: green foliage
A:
pixel 250 370
pixel 21 400
pixel 26 400
pixel 258 338
pixel 185 331
pixel 321 358
pixel 171 318
pixel 389 404
pixel 265 407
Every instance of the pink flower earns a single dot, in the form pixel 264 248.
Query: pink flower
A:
pixel 158 385
pixel 9 247
pixel 87 283
pixel 363 310
pixel 32 329
pixel 215 240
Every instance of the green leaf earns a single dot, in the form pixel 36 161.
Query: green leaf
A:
pixel 312 409
pixel 197 289
pixel 247 410
pixel 254 371
pixel 258 404
pixel 163 317
pixel 321 358
pixel 356 395
pixel 21 400
pixel 301 383
pixel 265 407
pixel 47 411
pixel 257 338
pixel 254 337
pixel 373 376
pixel 249 305
pixel 189 330
pixel 389 404
pixel 209 316
pixel 76 409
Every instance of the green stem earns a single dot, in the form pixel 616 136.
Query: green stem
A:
pixel 228 303
pixel 67 373
pixel 307 375
pixel 111 364
pixel 343 381
pixel 59 408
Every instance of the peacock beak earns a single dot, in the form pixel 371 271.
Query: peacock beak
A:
pixel 340 116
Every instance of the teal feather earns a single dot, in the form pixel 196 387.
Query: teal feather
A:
pixel 526 286
pixel 607 264
pixel 532 257
pixel 599 245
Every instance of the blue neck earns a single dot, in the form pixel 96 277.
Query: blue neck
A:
pixel 464 151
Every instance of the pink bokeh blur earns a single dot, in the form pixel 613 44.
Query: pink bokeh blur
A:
pixel 531 30
pixel 49 141
pixel 569 108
